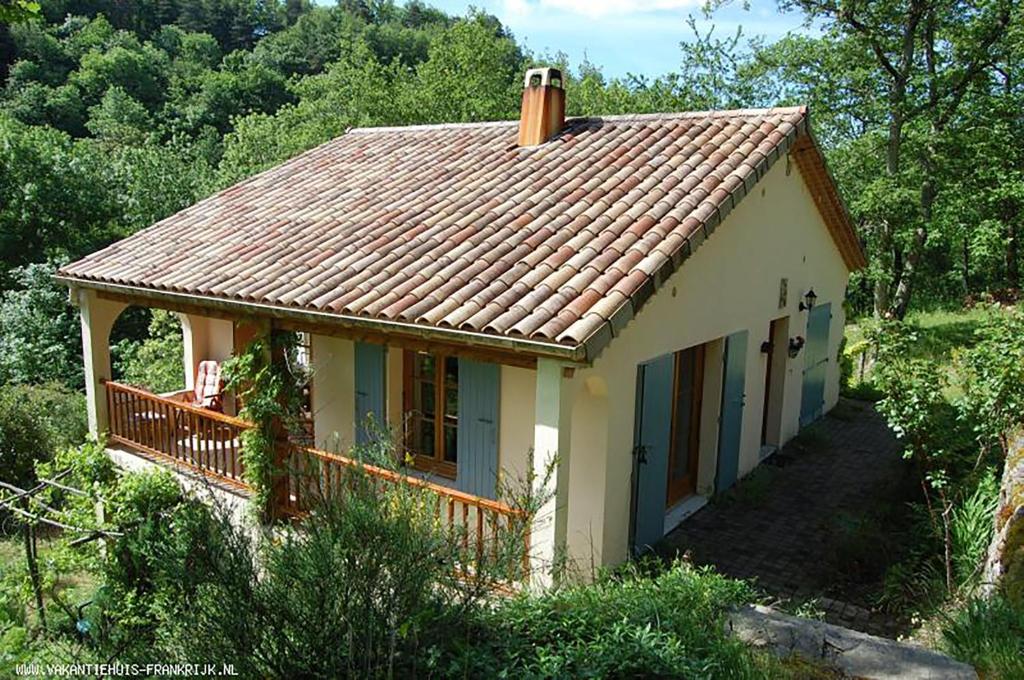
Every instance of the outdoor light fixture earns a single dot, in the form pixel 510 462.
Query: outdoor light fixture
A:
pixel 795 345
pixel 808 302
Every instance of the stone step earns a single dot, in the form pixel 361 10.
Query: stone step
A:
pixel 855 654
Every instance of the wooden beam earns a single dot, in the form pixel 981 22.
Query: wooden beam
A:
pixel 415 343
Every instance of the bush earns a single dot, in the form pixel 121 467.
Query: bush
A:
pixel 628 624
pixel 987 633
pixel 993 378
pixel 154 363
pixel 365 586
pixel 35 423
pixel 40 335
pixel 971 528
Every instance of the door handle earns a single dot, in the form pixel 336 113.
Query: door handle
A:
pixel 640 451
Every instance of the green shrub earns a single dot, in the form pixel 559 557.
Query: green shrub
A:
pixel 987 633
pixel 628 624
pixel 40 335
pixel 993 377
pixel 154 363
pixel 35 423
pixel 971 528
pixel 366 586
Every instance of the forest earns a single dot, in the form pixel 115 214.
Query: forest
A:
pixel 115 114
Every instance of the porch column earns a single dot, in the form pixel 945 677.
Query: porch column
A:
pixel 551 444
pixel 98 317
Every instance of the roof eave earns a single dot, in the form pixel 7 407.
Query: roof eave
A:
pixel 567 353
pixel 850 247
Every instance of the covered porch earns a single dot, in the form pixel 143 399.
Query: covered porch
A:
pixel 355 381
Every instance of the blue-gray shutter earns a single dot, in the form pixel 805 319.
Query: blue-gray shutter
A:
pixel 730 425
pixel 369 379
pixel 812 402
pixel 651 433
pixel 477 468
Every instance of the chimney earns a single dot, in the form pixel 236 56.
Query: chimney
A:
pixel 543 113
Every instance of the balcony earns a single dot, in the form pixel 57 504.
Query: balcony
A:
pixel 166 429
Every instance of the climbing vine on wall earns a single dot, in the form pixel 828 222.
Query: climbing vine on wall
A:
pixel 269 390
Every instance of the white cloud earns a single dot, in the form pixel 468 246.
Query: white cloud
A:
pixel 597 8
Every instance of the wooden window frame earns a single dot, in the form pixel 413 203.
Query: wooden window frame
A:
pixel 435 464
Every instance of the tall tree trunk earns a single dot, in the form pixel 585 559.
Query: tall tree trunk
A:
pixel 1012 253
pixel 894 143
pixel 929 192
pixel 967 265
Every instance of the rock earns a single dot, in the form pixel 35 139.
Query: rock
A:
pixel 856 654
pixel 1004 566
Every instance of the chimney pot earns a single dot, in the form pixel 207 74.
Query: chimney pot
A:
pixel 543 111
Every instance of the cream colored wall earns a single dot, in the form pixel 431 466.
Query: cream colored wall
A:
pixel 204 338
pixel 515 421
pixel 730 284
pixel 333 393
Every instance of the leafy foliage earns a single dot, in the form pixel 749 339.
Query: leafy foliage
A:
pixel 37 421
pixel 270 394
pixel 989 634
pixel 993 378
pixel 154 363
pixel 635 623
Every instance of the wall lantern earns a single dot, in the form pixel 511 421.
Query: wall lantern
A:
pixel 795 345
pixel 808 302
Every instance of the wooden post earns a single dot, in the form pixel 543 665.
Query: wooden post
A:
pixel 33 565
pixel 280 490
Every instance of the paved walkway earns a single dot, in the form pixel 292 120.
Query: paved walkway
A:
pixel 810 523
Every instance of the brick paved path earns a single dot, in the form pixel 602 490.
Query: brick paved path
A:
pixel 780 527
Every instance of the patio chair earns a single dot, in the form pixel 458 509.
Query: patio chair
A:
pixel 209 387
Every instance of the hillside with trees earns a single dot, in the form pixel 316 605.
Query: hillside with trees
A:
pixel 114 115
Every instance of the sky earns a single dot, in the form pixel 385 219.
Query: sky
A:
pixel 623 36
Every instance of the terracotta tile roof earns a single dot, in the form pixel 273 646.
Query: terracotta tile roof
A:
pixel 455 227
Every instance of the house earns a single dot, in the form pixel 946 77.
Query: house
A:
pixel 649 303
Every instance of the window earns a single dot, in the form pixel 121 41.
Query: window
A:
pixel 431 395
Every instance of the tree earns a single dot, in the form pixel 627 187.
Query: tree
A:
pixel 40 336
pixel 17 10
pixel 928 55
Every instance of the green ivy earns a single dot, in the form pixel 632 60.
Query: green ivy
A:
pixel 270 394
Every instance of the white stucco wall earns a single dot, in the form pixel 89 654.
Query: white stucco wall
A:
pixel 730 284
pixel 333 393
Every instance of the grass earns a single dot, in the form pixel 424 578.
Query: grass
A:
pixel 69 587
pixel 753 490
pixel 989 635
pixel 940 334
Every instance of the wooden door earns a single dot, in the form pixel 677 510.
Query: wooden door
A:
pixel 686 416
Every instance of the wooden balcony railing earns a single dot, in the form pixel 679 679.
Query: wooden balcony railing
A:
pixel 481 524
pixel 210 443
pixel 166 428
